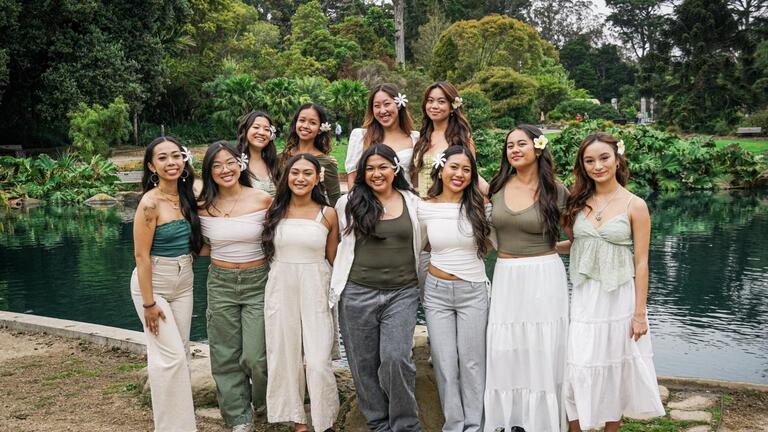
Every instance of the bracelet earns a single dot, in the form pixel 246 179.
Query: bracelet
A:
pixel 639 321
pixel 150 305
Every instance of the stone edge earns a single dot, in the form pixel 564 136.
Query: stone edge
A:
pixel 133 341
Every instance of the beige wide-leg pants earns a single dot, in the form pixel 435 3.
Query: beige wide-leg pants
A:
pixel 167 353
pixel 300 337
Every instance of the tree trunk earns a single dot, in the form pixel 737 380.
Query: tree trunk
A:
pixel 136 128
pixel 399 32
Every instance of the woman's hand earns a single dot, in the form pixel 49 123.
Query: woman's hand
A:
pixel 639 327
pixel 152 317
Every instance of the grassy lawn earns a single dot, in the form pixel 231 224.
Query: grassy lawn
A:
pixel 755 146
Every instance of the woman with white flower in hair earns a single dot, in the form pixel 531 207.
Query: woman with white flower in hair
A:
pixel 232 217
pixel 375 275
pixel 610 370
pixel 256 142
pixel 528 318
pixel 387 121
pixel 310 132
pixel 443 125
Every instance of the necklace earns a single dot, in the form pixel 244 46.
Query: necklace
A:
pixel 237 198
pixel 171 198
pixel 599 213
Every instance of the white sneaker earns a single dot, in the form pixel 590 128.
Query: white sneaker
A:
pixel 245 427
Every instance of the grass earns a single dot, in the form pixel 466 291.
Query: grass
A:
pixel 73 373
pixel 755 146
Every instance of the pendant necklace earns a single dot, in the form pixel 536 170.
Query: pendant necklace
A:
pixel 174 201
pixel 599 214
pixel 237 198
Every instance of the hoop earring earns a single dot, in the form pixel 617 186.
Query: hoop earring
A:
pixel 184 176
pixel 154 178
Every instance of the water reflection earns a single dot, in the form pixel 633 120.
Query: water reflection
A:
pixel 708 260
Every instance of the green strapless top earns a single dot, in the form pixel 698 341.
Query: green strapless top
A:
pixel 171 239
pixel 603 254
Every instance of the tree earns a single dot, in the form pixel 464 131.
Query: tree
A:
pixel 467 47
pixel 747 10
pixel 559 21
pixel 348 98
pixel 429 34
pixel 9 13
pixel 600 70
pixel 638 23
pixel 374 33
pixel 512 94
pixel 96 129
pixel 399 31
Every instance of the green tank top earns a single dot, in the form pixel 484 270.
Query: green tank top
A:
pixel 171 239
pixel 386 262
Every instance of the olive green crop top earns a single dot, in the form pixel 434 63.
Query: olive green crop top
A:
pixel 521 233
pixel 171 239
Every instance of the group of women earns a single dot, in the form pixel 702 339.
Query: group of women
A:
pixel 293 263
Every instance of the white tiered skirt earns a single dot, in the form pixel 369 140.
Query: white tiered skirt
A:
pixel 526 345
pixel 608 374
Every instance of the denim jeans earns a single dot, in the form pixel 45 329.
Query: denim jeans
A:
pixel 377 328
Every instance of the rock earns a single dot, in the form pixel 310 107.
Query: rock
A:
pixel 698 401
pixel 31 202
pixel 664 393
pixel 101 200
pixel 420 337
pixel 203 386
pixel 701 428
pixel 210 413
pixel 680 415
pixel 128 197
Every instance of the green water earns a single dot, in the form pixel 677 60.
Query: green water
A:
pixel 709 277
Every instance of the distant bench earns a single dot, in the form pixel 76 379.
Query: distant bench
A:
pixel 14 150
pixel 129 176
pixel 749 131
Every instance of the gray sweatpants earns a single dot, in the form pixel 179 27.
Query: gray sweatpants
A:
pixel 457 315
pixel 377 328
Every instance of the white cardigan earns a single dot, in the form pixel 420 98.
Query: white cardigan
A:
pixel 345 254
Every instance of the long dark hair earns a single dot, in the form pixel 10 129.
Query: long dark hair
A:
pixel 268 153
pixel 374 132
pixel 546 191
pixel 471 199
pixel 184 186
pixel 363 208
pixel 322 140
pixel 282 201
pixel 210 188
pixel 584 186
pixel 458 133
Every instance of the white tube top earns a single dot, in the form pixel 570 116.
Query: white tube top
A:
pixel 235 239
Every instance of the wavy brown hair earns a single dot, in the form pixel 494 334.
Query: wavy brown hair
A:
pixel 322 140
pixel 546 192
pixel 458 133
pixel 584 186
pixel 374 132
pixel 471 199
pixel 268 153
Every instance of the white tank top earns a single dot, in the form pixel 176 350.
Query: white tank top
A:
pixel 235 239
pixel 452 243
pixel 301 241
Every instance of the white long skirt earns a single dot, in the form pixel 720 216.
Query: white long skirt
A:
pixel 526 345
pixel 608 374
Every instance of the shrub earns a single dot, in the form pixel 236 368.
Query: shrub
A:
pixel 758 119
pixel 567 110
pixel 96 129
pixel 505 123
pixel 489 145
pixel 477 107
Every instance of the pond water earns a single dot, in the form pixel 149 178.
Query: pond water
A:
pixel 709 277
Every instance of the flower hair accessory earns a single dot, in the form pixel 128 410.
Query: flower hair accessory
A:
pixel 438 161
pixel 273 130
pixel 620 147
pixel 243 160
pixel 397 167
pixel 321 175
pixel 457 103
pixel 401 100
pixel 540 142
pixel 325 127
pixel 186 154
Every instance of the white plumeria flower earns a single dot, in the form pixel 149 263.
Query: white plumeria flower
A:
pixel 322 174
pixel 274 132
pixel 457 103
pixel 187 155
pixel 620 147
pixel 243 160
pixel 325 127
pixel 438 161
pixel 540 142
pixel 397 167
pixel 401 100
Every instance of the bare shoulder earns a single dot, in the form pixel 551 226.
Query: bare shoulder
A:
pixel 258 197
pixel 638 208
pixel 330 217
pixel 147 210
